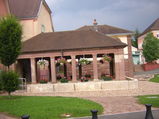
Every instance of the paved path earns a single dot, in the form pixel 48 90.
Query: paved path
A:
pixel 114 105
pixel 156 71
pixel 5 116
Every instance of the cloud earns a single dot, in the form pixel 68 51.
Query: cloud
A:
pixel 128 14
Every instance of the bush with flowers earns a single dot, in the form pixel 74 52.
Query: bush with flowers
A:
pixel 106 58
pixel 61 61
pixel 42 63
pixel 42 81
pixel 64 80
pixel 84 61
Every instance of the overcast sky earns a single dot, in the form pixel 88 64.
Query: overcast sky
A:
pixel 127 14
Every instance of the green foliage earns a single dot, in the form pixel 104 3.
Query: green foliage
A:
pixel 1 86
pixel 10 81
pixel 107 58
pixel 63 80
pixel 84 61
pixel 10 40
pixel 135 38
pixel 106 78
pixel 43 81
pixel 48 107
pixel 151 48
pixel 149 99
pixel 155 79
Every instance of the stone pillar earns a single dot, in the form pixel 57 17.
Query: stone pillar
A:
pixel 74 73
pixel 33 70
pixel 13 67
pixel 53 69
pixel 95 67
pixel 130 59
pixel 119 67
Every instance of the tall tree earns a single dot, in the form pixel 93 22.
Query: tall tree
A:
pixel 135 37
pixel 151 48
pixel 10 40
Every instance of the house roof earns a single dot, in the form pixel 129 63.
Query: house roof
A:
pixel 153 26
pixel 69 40
pixel 26 9
pixel 106 29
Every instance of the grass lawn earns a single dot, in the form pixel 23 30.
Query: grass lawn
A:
pixel 155 79
pixel 149 99
pixel 47 107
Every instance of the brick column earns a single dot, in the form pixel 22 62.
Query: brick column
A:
pixel 33 70
pixel 119 67
pixel 13 67
pixel 53 69
pixel 95 67
pixel 130 59
pixel 74 73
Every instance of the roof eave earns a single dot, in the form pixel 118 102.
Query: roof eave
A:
pixel 117 34
pixel 108 47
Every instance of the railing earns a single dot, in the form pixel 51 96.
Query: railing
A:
pixel 23 84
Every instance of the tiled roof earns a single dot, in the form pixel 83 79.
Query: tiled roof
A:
pixel 105 29
pixel 69 40
pixel 153 26
pixel 25 9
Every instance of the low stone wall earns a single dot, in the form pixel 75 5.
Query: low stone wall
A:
pixel 83 86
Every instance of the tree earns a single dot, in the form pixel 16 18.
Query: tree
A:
pixel 135 37
pixel 10 40
pixel 1 85
pixel 151 48
pixel 10 81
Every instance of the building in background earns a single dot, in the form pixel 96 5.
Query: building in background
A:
pixel 120 34
pixel 154 28
pixel 34 15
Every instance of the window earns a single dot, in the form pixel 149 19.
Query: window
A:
pixel 42 28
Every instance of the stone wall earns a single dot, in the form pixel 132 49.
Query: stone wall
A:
pixel 83 86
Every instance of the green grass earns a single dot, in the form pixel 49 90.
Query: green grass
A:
pixel 155 79
pixel 149 99
pixel 47 107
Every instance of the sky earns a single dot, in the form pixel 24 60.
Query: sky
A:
pixel 127 14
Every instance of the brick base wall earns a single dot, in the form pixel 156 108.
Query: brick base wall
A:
pixel 128 70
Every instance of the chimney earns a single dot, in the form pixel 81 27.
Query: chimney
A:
pixel 95 25
pixel 95 22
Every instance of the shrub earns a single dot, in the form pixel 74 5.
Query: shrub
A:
pixel 43 81
pixel 10 81
pixel 84 79
pixel 63 80
pixel 106 78
pixel 87 76
pixel 58 77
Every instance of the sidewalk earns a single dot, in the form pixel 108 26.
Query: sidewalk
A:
pixel 134 115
